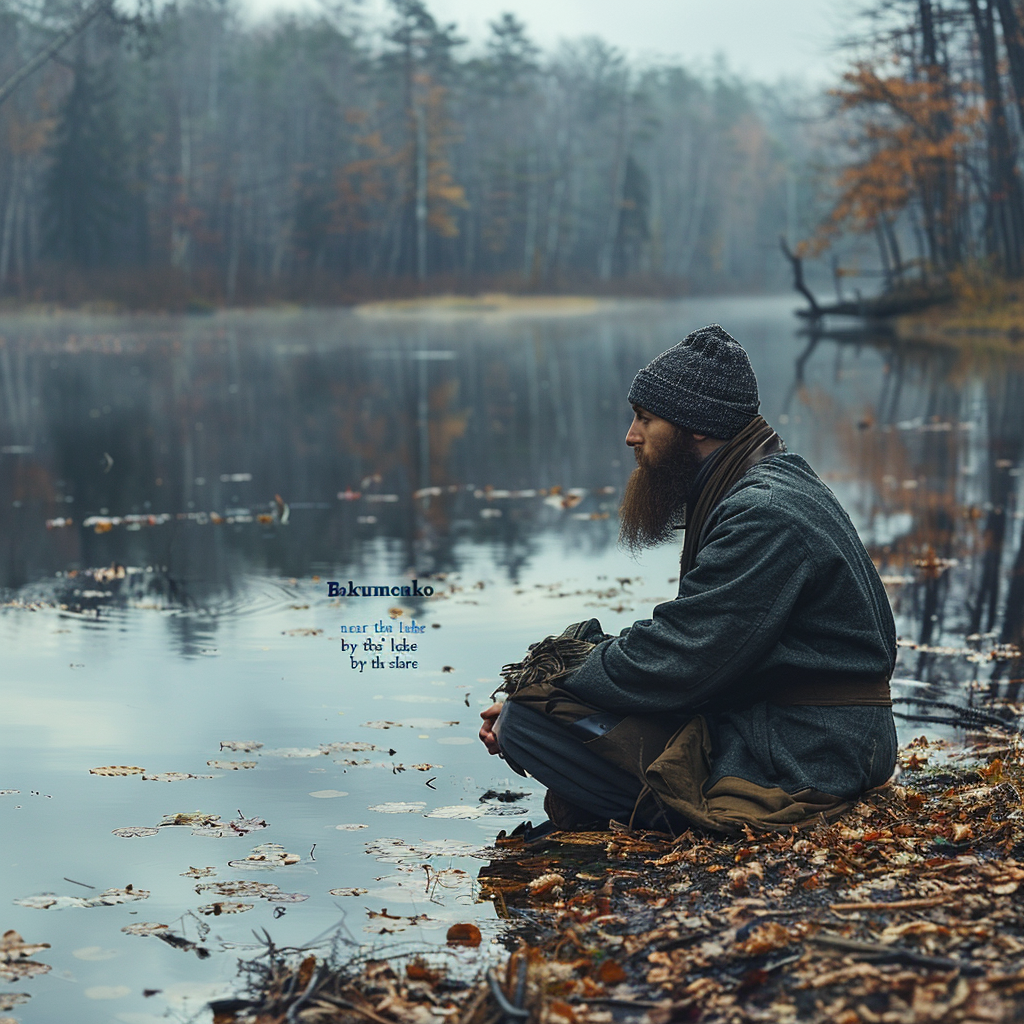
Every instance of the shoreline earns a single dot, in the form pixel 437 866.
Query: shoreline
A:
pixel 902 909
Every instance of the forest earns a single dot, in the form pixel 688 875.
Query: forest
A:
pixel 928 126
pixel 185 154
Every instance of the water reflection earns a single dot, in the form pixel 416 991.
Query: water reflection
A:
pixel 228 465
pixel 429 432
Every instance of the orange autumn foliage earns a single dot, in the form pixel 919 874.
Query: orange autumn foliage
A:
pixel 909 128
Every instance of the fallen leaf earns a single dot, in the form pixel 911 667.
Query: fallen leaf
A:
pixel 173 777
pixel 611 973
pixel 231 766
pixel 145 928
pixel 217 909
pixel 348 892
pixel 135 832
pixel 13 947
pixel 467 811
pixel 117 769
pixel 545 884
pixel 464 935
pixel 107 898
pixel 267 855
pixel 413 807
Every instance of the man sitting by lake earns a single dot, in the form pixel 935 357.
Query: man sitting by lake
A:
pixel 759 696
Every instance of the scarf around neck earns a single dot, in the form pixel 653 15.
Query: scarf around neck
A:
pixel 755 441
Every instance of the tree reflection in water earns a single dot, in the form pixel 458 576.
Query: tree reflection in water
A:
pixel 398 442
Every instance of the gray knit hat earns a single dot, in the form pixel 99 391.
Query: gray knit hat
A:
pixel 704 384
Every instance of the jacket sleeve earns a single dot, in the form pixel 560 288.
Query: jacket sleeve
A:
pixel 730 611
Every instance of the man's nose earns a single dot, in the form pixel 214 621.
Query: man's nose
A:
pixel 633 435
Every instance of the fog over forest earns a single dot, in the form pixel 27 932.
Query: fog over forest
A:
pixel 185 152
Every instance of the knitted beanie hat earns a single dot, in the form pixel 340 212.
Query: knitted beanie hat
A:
pixel 704 384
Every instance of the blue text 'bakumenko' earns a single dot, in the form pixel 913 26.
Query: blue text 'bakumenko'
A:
pixel 335 589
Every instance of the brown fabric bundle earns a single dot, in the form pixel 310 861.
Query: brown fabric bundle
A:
pixel 677 780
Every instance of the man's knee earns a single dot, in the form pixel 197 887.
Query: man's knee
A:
pixel 513 731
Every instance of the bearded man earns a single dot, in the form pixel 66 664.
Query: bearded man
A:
pixel 759 696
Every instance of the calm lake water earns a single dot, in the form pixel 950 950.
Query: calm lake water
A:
pixel 175 495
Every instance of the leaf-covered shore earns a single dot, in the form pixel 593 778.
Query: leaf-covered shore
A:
pixel 907 909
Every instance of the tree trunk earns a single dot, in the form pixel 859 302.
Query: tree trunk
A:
pixel 421 192
pixel 7 236
pixel 939 183
pixel 1005 199
pixel 1013 38
pixel 618 181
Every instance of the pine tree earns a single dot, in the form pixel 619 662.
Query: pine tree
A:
pixel 86 193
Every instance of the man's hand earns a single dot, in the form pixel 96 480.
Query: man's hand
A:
pixel 487 737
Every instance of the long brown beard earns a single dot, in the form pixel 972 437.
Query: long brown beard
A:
pixel 656 492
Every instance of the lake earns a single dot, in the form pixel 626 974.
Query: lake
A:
pixel 176 495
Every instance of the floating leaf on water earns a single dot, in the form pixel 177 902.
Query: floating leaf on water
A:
pixel 458 811
pixel 145 928
pixel 305 631
pixel 173 777
pixel 109 897
pixel 9 1000
pixel 426 767
pixel 348 892
pixel 328 794
pixel 413 807
pixel 382 725
pixel 117 769
pixel 267 855
pixel 9 792
pixel 134 832
pixel 241 746
pixel 22 969
pixel 349 746
pixel 48 900
pixel 350 828
pixel 191 818
pixel 216 909
pixel 287 897
pixel 14 947
pixel 463 935
pixel 294 752
pixel 235 827
pixel 198 872
pixel 240 887
pixel 231 766
pixel 398 851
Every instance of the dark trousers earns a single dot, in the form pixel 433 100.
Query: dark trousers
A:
pixel 544 747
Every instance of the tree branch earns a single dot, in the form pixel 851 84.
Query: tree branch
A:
pixel 77 26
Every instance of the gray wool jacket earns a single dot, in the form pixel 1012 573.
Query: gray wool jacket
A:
pixel 782 588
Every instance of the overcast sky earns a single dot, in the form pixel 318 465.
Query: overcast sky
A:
pixel 763 39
